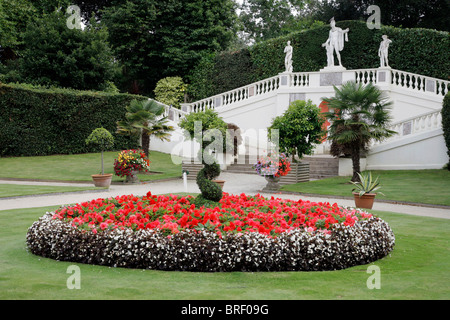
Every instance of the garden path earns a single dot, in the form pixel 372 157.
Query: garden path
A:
pixel 235 184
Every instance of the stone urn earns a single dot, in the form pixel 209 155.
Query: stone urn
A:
pixel 272 184
pixel 132 178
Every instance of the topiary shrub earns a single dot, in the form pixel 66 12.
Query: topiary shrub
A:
pixel 446 123
pixel 210 131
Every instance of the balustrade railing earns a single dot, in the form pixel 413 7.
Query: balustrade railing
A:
pixel 416 82
pixel 414 125
pixel 366 76
pixel 405 80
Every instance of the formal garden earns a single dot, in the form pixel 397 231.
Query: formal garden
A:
pixel 94 130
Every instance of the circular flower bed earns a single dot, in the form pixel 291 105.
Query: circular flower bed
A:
pixel 243 233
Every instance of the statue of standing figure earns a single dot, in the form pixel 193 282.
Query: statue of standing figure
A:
pixel 288 58
pixel 383 51
pixel 335 43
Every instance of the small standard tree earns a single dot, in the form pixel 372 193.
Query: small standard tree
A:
pixel 102 139
pixel 145 118
pixel 358 114
pixel 300 128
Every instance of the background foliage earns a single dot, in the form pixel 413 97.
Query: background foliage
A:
pixel 36 121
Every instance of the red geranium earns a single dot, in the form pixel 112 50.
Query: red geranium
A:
pixel 236 213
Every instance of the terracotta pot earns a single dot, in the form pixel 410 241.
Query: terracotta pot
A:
pixel 365 201
pixel 219 182
pixel 102 180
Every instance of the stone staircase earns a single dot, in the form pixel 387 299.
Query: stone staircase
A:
pixel 322 166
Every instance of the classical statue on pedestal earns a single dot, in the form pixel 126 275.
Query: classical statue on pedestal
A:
pixel 288 58
pixel 383 51
pixel 335 43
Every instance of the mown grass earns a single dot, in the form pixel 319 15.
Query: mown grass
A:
pixel 419 186
pixel 15 190
pixel 416 269
pixel 80 167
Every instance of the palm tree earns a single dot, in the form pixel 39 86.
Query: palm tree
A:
pixel 358 114
pixel 145 118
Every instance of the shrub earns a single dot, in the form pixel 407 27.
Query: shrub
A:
pixel 299 129
pixel 170 91
pixel 212 128
pixel 38 121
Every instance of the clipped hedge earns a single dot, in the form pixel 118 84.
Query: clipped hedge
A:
pixel 446 123
pixel 421 51
pixel 36 121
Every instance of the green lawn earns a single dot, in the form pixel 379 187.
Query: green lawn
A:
pixel 421 186
pixel 14 190
pixel 80 167
pixel 416 269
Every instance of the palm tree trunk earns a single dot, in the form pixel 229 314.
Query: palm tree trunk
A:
pixel 355 163
pixel 145 142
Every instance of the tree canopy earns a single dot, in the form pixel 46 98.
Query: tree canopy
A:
pixel 156 39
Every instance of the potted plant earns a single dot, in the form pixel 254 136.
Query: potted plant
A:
pixel 272 168
pixel 102 139
pixel 364 191
pixel 129 163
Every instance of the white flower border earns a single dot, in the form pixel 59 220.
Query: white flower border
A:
pixel 298 250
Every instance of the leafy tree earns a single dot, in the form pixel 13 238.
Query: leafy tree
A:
pixel 145 118
pixel 14 17
pixel 266 19
pixel 358 114
pixel 55 55
pixel 171 91
pixel 156 39
pixel 299 129
pixel 431 14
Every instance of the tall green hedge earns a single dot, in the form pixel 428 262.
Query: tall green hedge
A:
pixel 421 51
pixel 36 121
pixel 446 123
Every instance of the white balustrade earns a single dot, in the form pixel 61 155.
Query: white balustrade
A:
pixel 404 80
pixel 423 123
pixel 299 79
pixel 420 83
pixel 366 76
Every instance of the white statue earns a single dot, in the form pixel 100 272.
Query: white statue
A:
pixel 383 51
pixel 288 59
pixel 335 43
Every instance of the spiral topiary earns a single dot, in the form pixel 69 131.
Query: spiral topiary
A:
pixel 211 191
pixel 210 131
